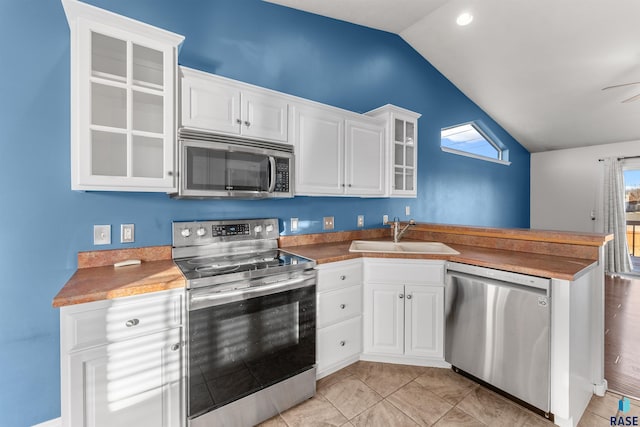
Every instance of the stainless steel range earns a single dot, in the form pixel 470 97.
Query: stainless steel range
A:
pixel 251 311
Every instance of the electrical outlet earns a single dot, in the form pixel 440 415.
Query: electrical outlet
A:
pixel 360 220
pixel 102 234
pixel 385 219
pixel 294 224
pixel 407 210
pixel 327 223
pixel 127 233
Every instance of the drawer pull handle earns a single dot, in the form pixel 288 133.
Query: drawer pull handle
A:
pixel 409 296
pixel 175 347
pixel 342 343
pixel 343 277
pixel 343 306
pixel 400 296
pixel 132 322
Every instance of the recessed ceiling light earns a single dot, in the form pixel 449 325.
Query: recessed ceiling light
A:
pixel 464 18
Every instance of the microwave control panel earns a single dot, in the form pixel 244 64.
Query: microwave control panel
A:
pixel 282 176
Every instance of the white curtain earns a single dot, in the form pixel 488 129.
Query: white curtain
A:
pixel 617 259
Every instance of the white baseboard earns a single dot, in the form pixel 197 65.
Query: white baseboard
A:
pixel 56 422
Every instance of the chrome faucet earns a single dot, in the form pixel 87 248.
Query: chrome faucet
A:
pixel 397 233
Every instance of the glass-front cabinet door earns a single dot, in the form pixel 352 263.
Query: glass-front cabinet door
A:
pixel 123 84
pixel 404 157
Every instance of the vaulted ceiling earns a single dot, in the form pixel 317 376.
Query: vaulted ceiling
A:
pixel 537 67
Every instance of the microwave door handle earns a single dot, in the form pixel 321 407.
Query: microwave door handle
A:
pixel 272 175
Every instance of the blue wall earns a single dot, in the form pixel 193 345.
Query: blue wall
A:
pixel 44 224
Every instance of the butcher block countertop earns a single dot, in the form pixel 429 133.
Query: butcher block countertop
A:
pixel 551 254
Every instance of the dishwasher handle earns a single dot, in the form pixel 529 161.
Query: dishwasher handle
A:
pixel 500 283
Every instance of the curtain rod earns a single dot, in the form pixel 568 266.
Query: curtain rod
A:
pixel 623 158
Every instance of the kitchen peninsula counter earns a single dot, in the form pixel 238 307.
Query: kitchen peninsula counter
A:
pixel 553 254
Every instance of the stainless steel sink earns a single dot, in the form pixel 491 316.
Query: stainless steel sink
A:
pixel 430 248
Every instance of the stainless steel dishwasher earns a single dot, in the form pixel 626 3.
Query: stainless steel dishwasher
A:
pixel 498 330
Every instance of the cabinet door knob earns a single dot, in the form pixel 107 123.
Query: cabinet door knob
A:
pixel 175 347
pixel 342 343
pixel 238 121
pixel 349 185
pixel 170 173
pixel 400 296
pixel 343 277
pixel 247 123
pixel 409 296
pixel 132 322
pixel 343 306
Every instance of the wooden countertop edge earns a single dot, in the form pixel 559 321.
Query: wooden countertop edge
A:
pixel 551 236
pixel 106 282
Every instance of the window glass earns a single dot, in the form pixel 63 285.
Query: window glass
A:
pixel 468 138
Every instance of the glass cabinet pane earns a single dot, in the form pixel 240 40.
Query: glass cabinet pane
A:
pixel 108 106
pixel 410 134
pixel 147 159
pixel 399 154
pixel 147 66
pixel 410 155
pixel 147 112
pixel 409 179
pixel 399 130
pixel 108 57
pixel 108 153
pixel 399 179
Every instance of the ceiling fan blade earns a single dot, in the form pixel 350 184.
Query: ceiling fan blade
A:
pixel 633 98
pixel 621 85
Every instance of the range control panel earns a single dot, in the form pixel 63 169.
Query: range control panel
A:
pixel 196 233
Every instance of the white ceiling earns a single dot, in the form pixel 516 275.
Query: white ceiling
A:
pixel 537 67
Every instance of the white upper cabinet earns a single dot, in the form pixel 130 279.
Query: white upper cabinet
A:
pixel 402 149
pixel 319 150
pixel 216 104
pixel 123 75
pixel 337 154
pixel 365 169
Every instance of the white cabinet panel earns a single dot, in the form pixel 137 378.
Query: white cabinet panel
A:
pixel 122 102
pixel 319 136
pixel 130 383
pixel 365 143
pixel 340 304
pixel 339 342
pixel 384 317
pixel 216 104
pixel 210 106
pixel 424 324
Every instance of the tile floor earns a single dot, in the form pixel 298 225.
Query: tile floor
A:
pixel 386 395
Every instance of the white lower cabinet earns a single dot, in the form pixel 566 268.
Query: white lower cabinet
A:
pixel 339 320
pixel 403 313
pixel 122 362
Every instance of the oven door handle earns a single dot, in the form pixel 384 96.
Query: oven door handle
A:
pixel 210 300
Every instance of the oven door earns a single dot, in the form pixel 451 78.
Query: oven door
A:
pixel 244 340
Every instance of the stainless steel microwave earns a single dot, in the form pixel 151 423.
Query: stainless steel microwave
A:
pixel 216 166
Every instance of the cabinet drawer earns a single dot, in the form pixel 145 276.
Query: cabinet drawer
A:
pixel 338 342
pixel 340 304
pixel 339 274
pixel 404 271
pixel 116 320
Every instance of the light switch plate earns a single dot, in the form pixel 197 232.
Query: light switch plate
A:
pixel 360 220
pixel 407 210
pixel 127 233
pixel 327 223
pixel 385 219
pixel 294 224
pixel 102 234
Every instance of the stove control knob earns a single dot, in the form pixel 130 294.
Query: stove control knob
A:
pixel 186 232
pixel 201 231
pixel 269 228
pixel 257 229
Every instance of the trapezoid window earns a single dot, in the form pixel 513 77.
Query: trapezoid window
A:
pixel 469 140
